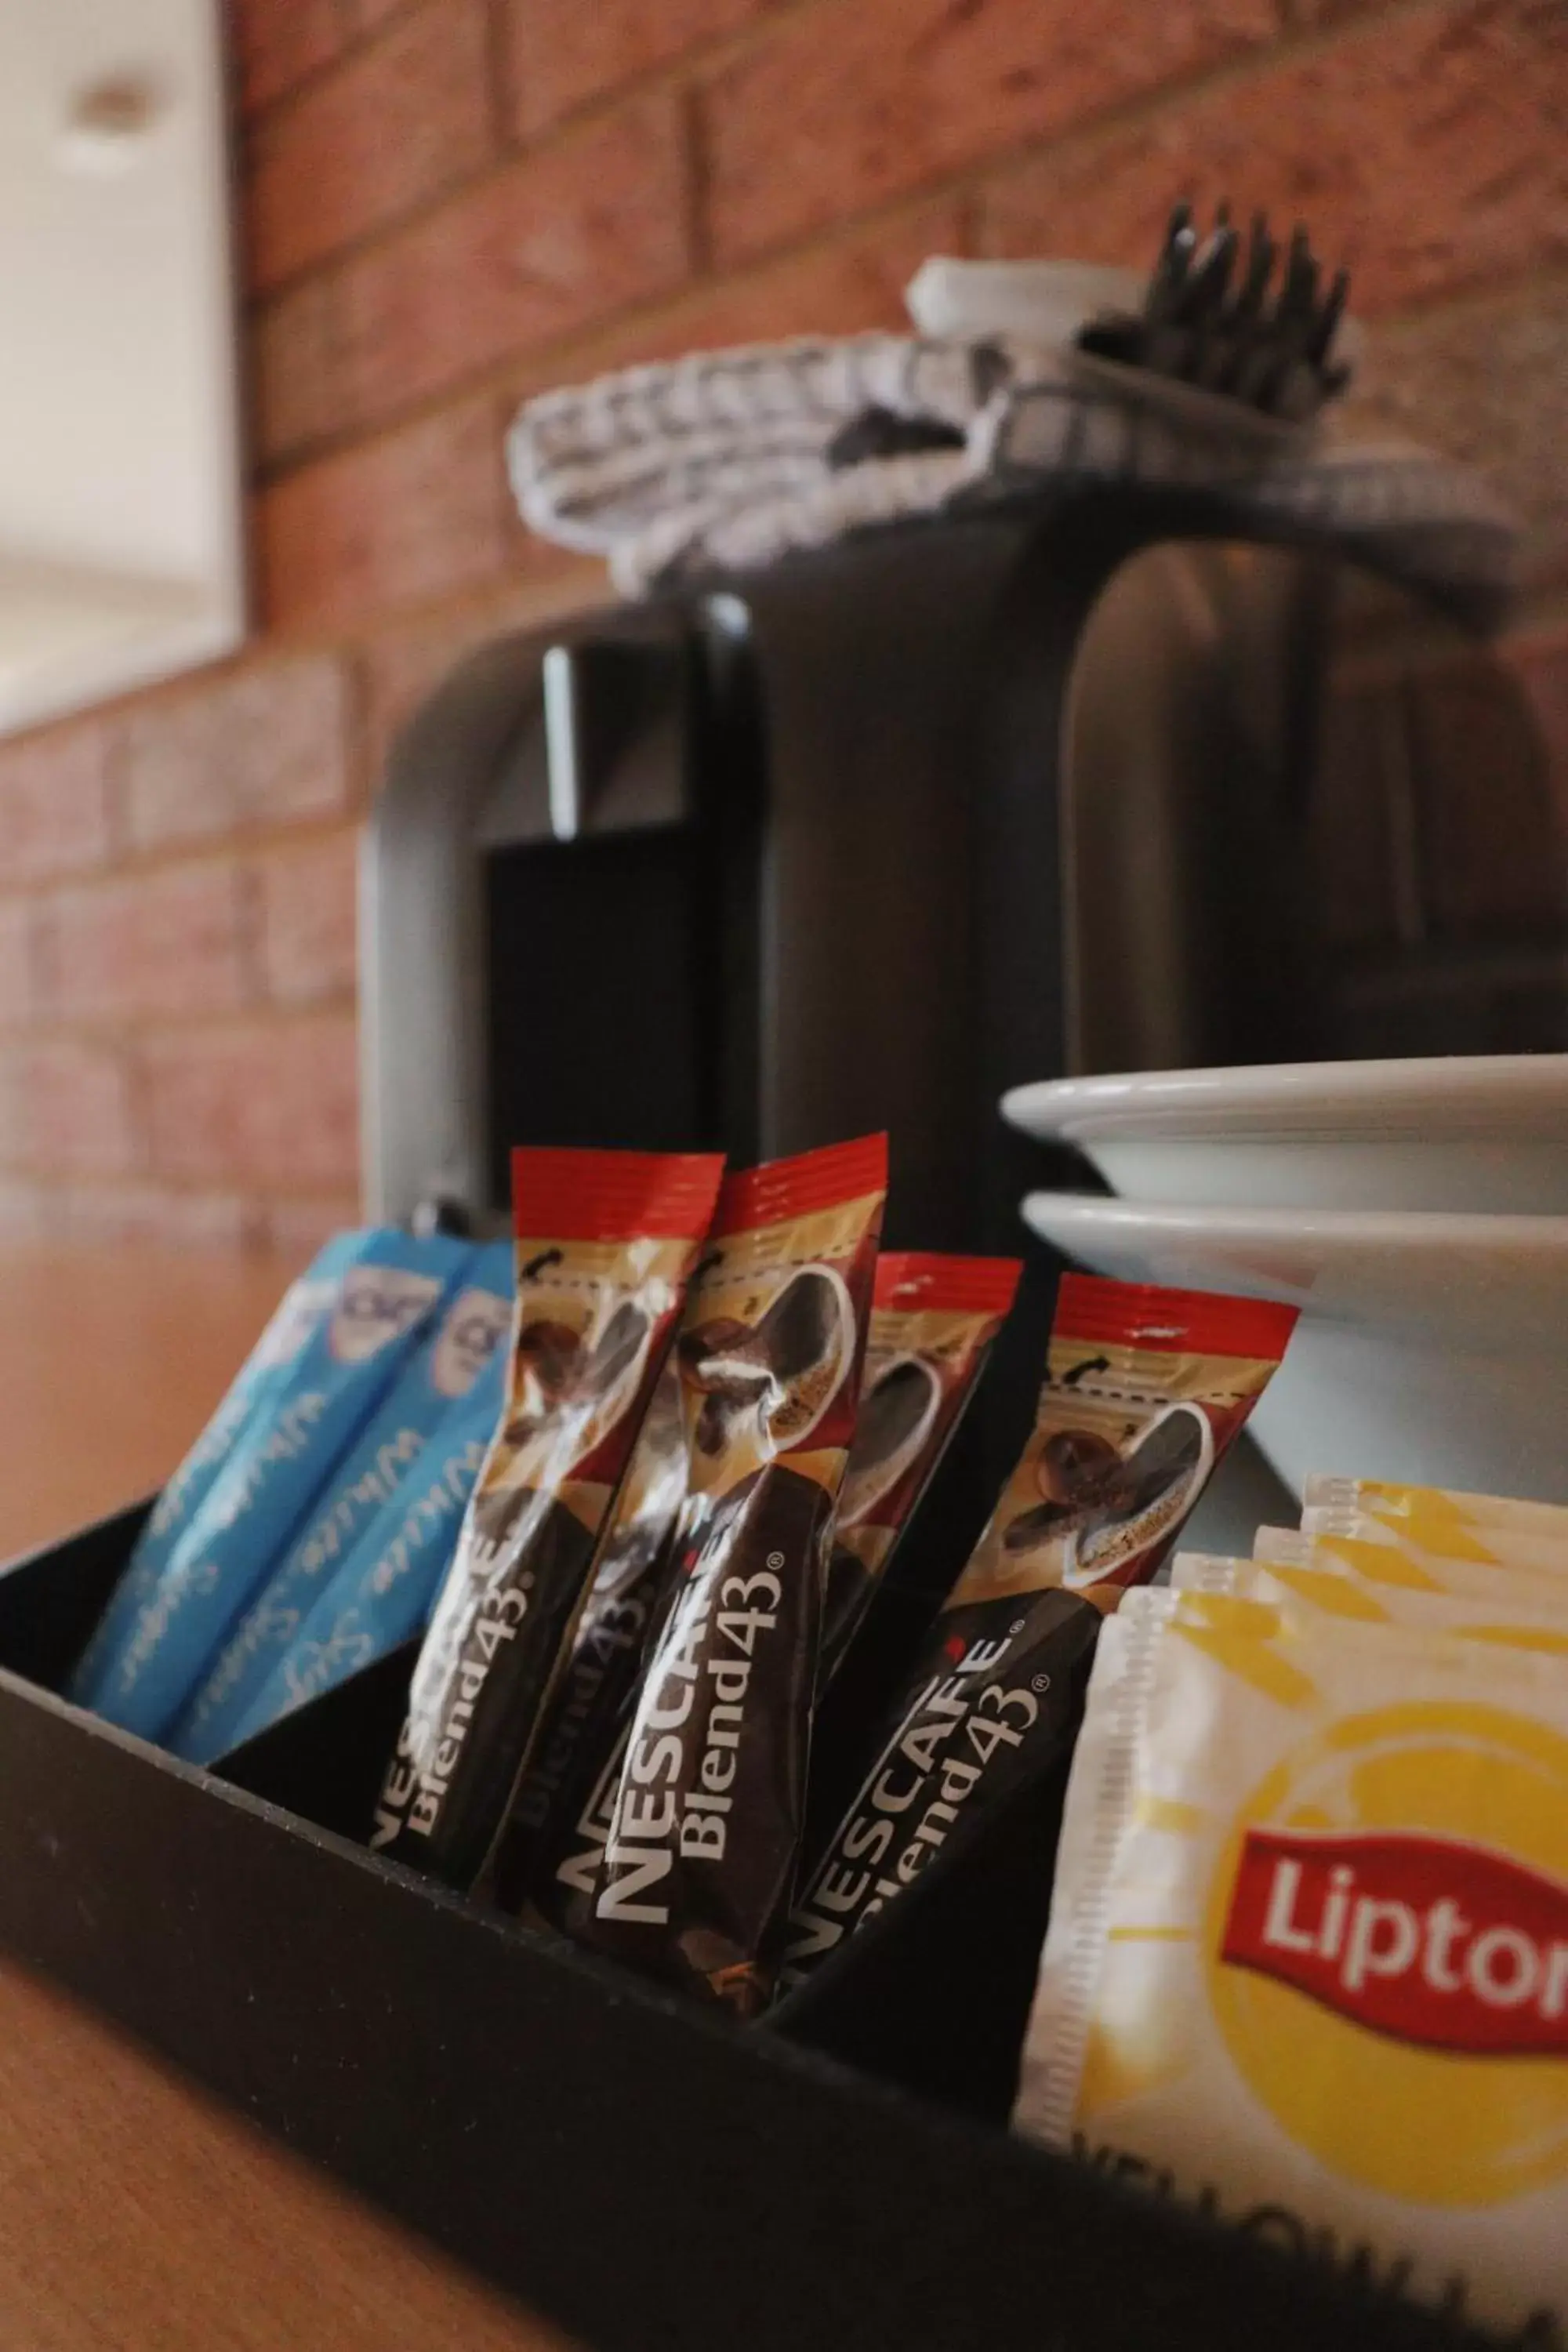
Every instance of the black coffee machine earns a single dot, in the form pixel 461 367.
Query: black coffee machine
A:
pixel 860 841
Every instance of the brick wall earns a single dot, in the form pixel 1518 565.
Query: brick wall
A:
pixel 450 202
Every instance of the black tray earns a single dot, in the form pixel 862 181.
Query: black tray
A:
pixel 642 2174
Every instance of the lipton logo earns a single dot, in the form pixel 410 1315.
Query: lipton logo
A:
pixel 1425 1939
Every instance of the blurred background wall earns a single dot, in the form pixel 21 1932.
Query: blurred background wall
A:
pixel 449 204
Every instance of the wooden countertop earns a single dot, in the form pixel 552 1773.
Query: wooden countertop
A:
pixel 134 2211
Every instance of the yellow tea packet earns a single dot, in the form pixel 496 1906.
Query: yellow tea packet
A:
pixel 1519 1611
pixel 1308 1958
pixel 1490 1529
pixel 1382 1557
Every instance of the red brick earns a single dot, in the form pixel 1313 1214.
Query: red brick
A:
pixel 54 803
pixel 167 942
pixel 262 1105
pixel 416 515
pixel 18 992
pixel 308 919
pixel 1425 153
pixel 843 106
pixel 586 225
pixel 395 125
pixel 279 43
pixel 346 350
pixel 76 1109
pixel 562 54
pixel 257 746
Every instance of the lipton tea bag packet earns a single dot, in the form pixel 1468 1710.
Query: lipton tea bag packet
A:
pixel 606 1243
pixel 1516 1614
pixel 304 1307
pixel 437 1378
pixel 286 1455
pixel 381 1596
pixel 932 1323
pixel 1308 1958
pixel 700 1856
pixel 1434 1522
pixel 1144 1391
pixel 552 1849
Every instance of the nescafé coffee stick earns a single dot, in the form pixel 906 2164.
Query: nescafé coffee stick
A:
pixel 701 1851
pixel 605 1243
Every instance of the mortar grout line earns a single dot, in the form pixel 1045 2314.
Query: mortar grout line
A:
pixel 696 182
pixel 501 50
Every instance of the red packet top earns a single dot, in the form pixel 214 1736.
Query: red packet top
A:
pixel 775 1332
pixel 1145 1391
pixel 908 1280
pixel 783 1189
pixel 1178 1322
pixel 607 1196
pixel 588 1219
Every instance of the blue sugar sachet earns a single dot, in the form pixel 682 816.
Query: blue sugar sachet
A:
pixel 298 1317
pixel 284 1456
pixel 382 1595
pixel 440 1375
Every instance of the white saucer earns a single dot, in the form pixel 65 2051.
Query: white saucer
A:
pixel 1481 1132
pixel 1431 1347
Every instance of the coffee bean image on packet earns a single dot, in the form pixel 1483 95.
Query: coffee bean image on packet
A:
pixel 1145 1389
pixel 1307 1964
pixel 933 1321
pixel 606 1243
pixel 702 1847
